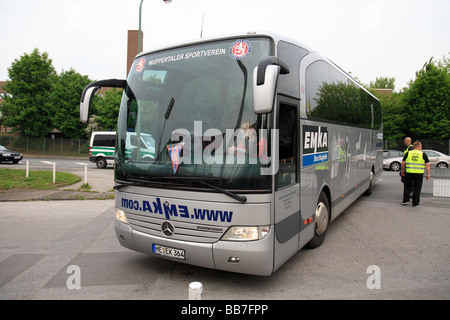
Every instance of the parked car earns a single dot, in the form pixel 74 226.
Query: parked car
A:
pixel 437 160
pixel 392 159
pixel 9 155
pixel 389 153
pixel 393 164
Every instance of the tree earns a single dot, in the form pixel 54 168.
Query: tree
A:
pixel 394 116
pixel 383 83
pixel 28 110
pixel 107 109
pixel 393 108
pixel 65 98
pixel 92 125
pixel 422 110
pixel 427 102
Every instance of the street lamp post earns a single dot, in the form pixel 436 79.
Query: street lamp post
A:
pixel 140 33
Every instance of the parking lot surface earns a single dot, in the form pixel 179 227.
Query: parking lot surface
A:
pixel 377 249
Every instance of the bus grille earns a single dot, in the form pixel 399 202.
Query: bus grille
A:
pixel 183 231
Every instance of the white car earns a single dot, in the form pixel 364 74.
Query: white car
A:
pixel 389 153
pixel 437 159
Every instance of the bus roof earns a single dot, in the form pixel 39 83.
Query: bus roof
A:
pixel 274 36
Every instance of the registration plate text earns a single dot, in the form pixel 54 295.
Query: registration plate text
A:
pixel 169 252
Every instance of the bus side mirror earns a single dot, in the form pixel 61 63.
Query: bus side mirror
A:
pixel 90 91
pixel 85 103
pixel 265 78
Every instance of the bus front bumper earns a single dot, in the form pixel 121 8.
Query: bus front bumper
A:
pixel 250 257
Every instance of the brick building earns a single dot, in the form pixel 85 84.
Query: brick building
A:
pixel 132 47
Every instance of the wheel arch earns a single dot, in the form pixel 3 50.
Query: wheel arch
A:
pixel 326 189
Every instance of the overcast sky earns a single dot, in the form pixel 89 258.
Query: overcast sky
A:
pixel 369 38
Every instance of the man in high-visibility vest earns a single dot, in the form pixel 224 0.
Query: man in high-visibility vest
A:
pixel 408 144
pixel 409 147
pixel 414 164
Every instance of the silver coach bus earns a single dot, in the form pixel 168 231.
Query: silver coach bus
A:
pixel 260 142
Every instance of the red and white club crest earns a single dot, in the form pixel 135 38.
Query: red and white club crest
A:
pixel 240 49
pixel 140 65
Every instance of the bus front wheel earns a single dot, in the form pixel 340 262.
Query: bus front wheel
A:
pixel 322 218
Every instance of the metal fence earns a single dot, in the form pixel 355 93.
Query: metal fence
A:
pixel 45 146
pixel 439 183
pixel 80 147
pixel 438 145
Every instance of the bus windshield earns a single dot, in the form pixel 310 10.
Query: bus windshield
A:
pixel 192 107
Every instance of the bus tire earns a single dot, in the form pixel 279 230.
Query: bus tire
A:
pixel 322 218
pixel 101 163
pixel 369 190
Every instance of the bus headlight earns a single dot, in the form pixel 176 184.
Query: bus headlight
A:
pixel 120 215
pixel 246 233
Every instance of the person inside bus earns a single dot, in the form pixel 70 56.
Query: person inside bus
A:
pixel 414 165
pixel 248 136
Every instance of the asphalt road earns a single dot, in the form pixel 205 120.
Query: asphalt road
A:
pixel 377 249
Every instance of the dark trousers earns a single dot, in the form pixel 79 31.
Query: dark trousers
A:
pixel 413 182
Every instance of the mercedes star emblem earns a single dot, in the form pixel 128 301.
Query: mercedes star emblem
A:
pixel 167 228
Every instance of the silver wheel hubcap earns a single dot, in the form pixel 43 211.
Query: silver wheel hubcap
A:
pixel 321 218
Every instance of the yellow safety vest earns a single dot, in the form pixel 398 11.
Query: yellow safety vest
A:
pixel 407 149
pixel 415 162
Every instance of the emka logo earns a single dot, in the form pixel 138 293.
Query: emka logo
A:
pixel 315 145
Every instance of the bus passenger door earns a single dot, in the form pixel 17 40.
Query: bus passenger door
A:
pixel 287 194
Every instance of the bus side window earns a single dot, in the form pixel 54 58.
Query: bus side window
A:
pixel 287 125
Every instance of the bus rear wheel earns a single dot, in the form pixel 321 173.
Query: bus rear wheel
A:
pixel 322 218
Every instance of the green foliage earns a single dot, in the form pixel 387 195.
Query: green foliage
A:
pixel 106 108
pixel 394 117
pixel 343 102
pixel 28 110
pixel 383 83
pixel 65 98
pixel 427 102
pixel 422 110
pixel 41 100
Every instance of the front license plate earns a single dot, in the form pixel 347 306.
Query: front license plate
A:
pixel 169 252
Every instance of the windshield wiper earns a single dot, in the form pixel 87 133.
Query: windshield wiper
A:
pixel 166 116
pixel 140 183
pixel 235 196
